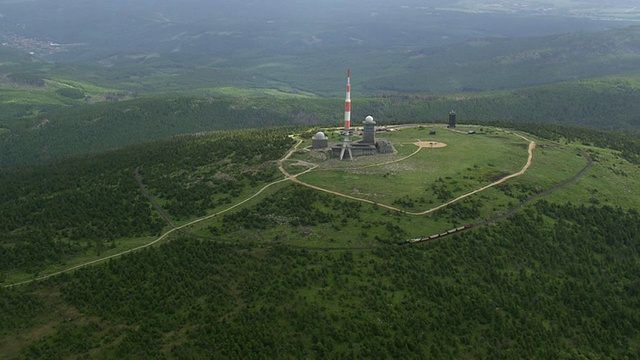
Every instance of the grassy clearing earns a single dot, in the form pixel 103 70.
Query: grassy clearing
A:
pixel 88 88
pixel 47 95
pixel 30 96
pixel 553 164
pixel 277 92
pixel 612 181
pixel 431 176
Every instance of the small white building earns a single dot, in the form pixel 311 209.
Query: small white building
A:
pixel 320 141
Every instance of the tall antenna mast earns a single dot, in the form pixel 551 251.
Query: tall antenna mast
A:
pixel 347 103
pixel 346 142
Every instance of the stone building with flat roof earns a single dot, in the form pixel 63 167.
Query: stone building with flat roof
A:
pixel 368 145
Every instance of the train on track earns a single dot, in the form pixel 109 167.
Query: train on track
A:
pixel 436 236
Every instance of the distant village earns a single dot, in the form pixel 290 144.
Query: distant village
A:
pixel 32 45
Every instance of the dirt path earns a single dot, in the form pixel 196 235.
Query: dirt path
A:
pixel 379 164
pixel 285 158
pixel 286 178
pixel 560 186
pixel 532 146
pixel 162 237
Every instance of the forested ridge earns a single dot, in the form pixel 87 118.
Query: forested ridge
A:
pixel 56 211
pixel 553 281
pixel 52 212
pixel 494 63
pixel 608 104
pixel 54 110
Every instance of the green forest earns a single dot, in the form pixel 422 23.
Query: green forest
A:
pixel 560 291
pixel 159 204
pixel 607 104
pixel 553 280
pixel 55 211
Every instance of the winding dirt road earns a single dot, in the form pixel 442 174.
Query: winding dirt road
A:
pixel 294 178
pixel 287 177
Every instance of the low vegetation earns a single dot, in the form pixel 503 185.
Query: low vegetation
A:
pixel 26 79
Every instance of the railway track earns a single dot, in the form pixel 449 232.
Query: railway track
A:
pixel 511 211
pixel 183 228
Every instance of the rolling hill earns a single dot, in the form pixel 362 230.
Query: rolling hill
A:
pixel 478 64
pixel 64 29
pixel 583 79
pixel 609 104
pixel 294 272
pixel 157 199
pixel 492 64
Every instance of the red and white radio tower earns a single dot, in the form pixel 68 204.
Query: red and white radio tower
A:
pixel 347 103
pixel 346 142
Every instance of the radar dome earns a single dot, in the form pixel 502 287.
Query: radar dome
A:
pixel 319 136
pixel 369 120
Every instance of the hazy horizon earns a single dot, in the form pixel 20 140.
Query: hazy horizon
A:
pixel 224 25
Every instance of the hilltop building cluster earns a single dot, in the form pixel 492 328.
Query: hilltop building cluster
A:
pixel 346 149
pixel 368 145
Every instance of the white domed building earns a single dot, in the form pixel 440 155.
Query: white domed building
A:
pixel 320 141
pixel 369 131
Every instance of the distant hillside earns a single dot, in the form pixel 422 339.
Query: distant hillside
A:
pixel 612 104
pixel 62 29
pixel 484 63
pixel 609 103
pixel 10 57
pixel 493 64
pixel 481 64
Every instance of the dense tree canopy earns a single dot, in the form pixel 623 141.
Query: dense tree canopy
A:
pixel 555 280
pixel 52 212
pixel 518 289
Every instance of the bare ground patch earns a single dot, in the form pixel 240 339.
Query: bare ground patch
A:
pixel 429 144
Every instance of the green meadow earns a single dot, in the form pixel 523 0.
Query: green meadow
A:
pixel 415 180
pixel 611 181
pixel 431 175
